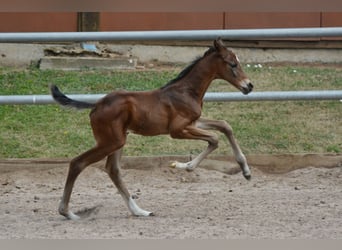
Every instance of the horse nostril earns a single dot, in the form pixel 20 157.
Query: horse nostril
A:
pixel 246 87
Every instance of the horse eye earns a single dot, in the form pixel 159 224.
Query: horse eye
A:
pixel 233 65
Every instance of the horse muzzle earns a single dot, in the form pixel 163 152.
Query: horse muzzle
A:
pixel 246 88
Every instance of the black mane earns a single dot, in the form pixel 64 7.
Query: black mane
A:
pixel 185 71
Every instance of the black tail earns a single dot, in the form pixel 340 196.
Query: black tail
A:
pixel 62 99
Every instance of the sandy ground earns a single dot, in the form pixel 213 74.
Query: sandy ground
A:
pixel 288 197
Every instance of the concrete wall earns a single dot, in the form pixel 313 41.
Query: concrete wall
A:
pixel 22 55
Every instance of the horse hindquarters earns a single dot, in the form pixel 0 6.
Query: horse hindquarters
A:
pixel 108 141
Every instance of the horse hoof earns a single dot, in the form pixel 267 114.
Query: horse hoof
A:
pixel 143 213
pixel 173 164
pixel 248 177
pixel 71 216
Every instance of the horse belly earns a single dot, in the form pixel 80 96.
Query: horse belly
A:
pixel 149 124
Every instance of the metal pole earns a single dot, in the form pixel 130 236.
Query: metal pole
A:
pixel 276 96
pixel 316 95
pixel 169 35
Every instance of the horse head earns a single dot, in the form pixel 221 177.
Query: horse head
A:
pixel 229 68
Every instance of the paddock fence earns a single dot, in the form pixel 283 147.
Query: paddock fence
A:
pixel 209 97
pixel 245 34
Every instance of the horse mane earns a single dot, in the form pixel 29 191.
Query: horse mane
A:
pixel 185 71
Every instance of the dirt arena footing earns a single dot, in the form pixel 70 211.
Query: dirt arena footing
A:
pixel 272 164
pixel 288 197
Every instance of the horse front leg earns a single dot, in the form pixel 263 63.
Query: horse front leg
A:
pixel 226 129
pixel 113 170
pixel 195 133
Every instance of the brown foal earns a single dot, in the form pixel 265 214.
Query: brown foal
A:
pixel 173 109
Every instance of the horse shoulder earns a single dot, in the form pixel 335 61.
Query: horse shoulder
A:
pixel 180 104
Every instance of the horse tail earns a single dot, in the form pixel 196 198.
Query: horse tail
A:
pixel 63 100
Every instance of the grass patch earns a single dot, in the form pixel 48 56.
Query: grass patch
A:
pixel 48 131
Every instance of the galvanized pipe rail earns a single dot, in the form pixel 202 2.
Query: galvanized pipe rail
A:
pixel 179 35
pixel 243 34
pixel 209 97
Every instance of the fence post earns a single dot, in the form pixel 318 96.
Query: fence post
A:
pixel 88 21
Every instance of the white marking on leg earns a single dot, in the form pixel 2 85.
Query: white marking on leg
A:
pixel 72 216
pixel 65 212
pixel 191 165
pixel 241 159
pixel 136 210
pixel 182 165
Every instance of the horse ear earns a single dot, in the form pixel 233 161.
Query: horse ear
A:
pixel 218 44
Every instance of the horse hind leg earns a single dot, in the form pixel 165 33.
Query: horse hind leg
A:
pixel 77 165
pixel 113 170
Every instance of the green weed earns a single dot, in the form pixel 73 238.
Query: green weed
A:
pixel 46 131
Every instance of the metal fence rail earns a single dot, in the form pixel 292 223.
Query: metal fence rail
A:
pixel 210 97
pixel 180 35
pixel 169 35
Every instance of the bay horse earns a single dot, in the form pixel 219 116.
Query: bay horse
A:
pixel 173 109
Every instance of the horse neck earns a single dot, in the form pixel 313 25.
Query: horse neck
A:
pixel 198 80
